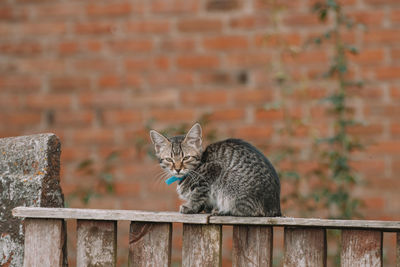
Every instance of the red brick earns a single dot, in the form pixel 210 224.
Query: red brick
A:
pixel 388 72
pixel 174 6
pixel 374 202
pixel 94 65
pixel 250 59
pixel 199 25
pixel 366 130
pixel 279 39
pixel 368 17
pixel 68 118
pixel 369 167
pixel 227 114
pixel 214 97
pixel 307 57
pixel 381 3
pixel 226 43
pixel 254 132
pixel 113 9
pixel 95 28
pixel 250 22
pixel 147 64
pixel 153 26
pixel 395 129
pixel 19 120
pixel 131 46
pixel 395 16
pixel 197 61
pixel 178 45
pixel 172 115
pixel 269 115
pixel 20 83
pixel 58 11
pixel 368 56
pixel 380 110
pixel 126 189
pixel 90 136
pixel 42 28
pixel 246 97
pixel 395 92
pixel 104 99
pixel 38 101
pixel 69 83
pixel 21 48
pixel 161 98
pixel 301 20
pixel 168 79
pixel 382 36
pixel 40 65
pixel 384 148
pixel 122 117
pixel 13 13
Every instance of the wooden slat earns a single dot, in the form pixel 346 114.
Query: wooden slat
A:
pixel 201 245
pixel 398 250
pixel 44 239
pixel 361 248
pixel 305 247
pixel 96 243
pixel 252 246
pixel 387 226
pixel 109 215
pixel 150 244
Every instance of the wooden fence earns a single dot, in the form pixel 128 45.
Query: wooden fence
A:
pixel 150 238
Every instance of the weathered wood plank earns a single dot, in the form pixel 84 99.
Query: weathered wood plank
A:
pixel 201 245
pixel 109 215
pixel 150 244
pixel 387 226
pixel 361 248
pixel 398 250
pixel 96 243
pixel 252 246
pixel 305 247
pixel 44 240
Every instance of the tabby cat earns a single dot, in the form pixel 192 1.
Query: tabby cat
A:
pixel 230 177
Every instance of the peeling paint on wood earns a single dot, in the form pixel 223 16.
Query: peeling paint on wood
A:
pixel 97 243
pixel 201 245
pixel 304 247
pixel 150 244
pixel 252 246
pixel 361 248
pixel 44 241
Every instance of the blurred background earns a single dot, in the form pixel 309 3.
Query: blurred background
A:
pixel 313 84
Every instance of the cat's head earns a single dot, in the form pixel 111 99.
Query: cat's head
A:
pixel 179 154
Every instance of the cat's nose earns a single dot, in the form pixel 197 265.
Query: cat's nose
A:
pixel 178 170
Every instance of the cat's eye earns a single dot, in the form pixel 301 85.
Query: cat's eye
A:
pixel 186 158
pixel 169 159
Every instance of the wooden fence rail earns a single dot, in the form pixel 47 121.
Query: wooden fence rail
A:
pixel 151 234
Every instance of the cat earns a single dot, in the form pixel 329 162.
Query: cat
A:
pixel 229 177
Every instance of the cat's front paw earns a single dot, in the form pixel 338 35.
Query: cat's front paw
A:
pixel 186 210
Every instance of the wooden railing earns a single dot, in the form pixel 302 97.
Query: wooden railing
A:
pixel 150 238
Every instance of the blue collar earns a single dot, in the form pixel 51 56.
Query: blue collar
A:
pixel 174 179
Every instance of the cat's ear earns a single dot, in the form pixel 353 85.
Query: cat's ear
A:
pixel 193 137
pixel 158 140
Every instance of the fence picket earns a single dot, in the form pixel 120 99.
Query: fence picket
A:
pixel 44 240
pixel 252 246
pixel 201 245
pixel 305 247
pixel 96 243
pixel 361 248
pixel 150 244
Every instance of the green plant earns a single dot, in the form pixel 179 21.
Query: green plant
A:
pixel 337 176
pixel 101 181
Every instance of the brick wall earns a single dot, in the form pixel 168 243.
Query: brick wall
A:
pixel 97 73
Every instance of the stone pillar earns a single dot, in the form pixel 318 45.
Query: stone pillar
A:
pixel 29 176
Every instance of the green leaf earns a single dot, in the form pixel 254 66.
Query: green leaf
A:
pixel 85 164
